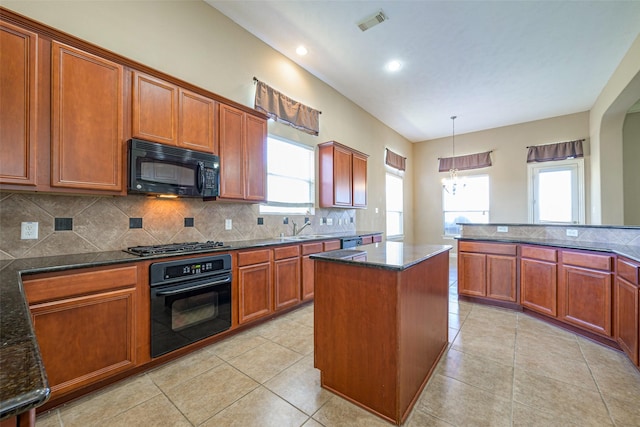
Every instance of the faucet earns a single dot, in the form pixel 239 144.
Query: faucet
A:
pixel 295 227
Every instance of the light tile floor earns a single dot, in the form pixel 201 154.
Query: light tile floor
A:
pixel 502 368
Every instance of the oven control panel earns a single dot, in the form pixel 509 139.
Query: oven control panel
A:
pixel 170 271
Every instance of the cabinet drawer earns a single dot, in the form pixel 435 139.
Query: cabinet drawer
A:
pixel 331 245
pixel 487 248
pixel 253 257
pixel 70 285
pixel 628 271
pixel 286 252
pixel 367 240
pixel 592 261
pixel 543 254
pixel 311 248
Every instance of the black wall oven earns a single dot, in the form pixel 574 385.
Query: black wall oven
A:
pixel 190 300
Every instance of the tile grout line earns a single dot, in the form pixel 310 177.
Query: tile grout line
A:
pixel 604 401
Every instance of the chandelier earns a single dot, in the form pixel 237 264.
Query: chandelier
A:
pixel 450 185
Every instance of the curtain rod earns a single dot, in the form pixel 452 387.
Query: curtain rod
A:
pixel 255 80
pixel 575 140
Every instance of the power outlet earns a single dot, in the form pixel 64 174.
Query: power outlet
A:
pixel 329 221
pixel 571 232
pixel 503 229
pixel 228 224
pixel 29 230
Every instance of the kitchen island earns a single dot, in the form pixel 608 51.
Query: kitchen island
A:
pixel 381 323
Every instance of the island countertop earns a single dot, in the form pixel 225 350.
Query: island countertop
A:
pixel 387 255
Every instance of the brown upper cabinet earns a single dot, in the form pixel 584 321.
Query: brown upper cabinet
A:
pixel 87 114
pixel 18 61
pixel 165 113
pixel 243 156
pixel 343 176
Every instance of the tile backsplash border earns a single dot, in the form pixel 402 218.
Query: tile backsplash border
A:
pixel 103 223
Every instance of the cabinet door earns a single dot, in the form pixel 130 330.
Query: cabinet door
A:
pixel 196 122
pixel 87 102
pixel 584 299
pixel 472 274
pixel 626 317
pixel 359 181
pixel 256 159
pixel 85 339
pixel 342 178
pixel 18 60
pixel 538 286
pixel 254 289
pixel 155 109
pixel 287 283
pixel 308 283
pixel 501 277
pixel 231 153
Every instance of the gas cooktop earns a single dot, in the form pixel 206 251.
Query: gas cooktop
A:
pixel 173 248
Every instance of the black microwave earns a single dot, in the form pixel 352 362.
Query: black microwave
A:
pixel 159 169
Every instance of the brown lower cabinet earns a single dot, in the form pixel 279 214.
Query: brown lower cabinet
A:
pixel 254 284
pixel 26 419
pixel 85 324
pixel 539 279
pixel 286 276
pixel 488 270
pixel 585 291
pixel 308 284
pixel 627 308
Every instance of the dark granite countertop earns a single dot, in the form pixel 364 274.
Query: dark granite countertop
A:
pixel 631 252
pixel 386 255
pixel 23 381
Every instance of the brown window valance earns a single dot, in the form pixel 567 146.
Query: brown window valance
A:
pixel 559 151
pixel 395 160
pixel 286 110
pixel 471 161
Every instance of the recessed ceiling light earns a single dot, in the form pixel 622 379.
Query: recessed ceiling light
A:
pixel 301 50
pixel 393 65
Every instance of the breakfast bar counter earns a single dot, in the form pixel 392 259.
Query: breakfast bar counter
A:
pixel 381 323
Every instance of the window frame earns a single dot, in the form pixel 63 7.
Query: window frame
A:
pixel 568 164
pixel 390 172
pixel 278 208
pixel 461 181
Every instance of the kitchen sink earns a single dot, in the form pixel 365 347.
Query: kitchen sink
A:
pixel 305 237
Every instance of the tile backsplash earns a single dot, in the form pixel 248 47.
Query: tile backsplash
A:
pixel 105 223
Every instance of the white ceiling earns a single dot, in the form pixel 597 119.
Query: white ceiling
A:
pixel 491 63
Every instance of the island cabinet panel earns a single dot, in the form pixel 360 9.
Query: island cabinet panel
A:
pixel 286 277
pixel 85 324
pixel 626 308
pixel 539 280
pixel 585 291
pixel 87 114
pixel 242 150
pixel 487 270
pixel 18 108
pixel 307 279
pixel 379 333
pixel 254 285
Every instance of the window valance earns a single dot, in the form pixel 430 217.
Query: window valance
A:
pixel 286 110
pixel 558 151
pixel 395 160
pixel 470 161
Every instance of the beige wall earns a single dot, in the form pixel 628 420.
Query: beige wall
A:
pixel 631 160
pixel 606 120
pixel 507 176
pixel 196 43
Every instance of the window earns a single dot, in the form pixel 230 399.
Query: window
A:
pixel 556 192
pixel 395 203
pixel 290 178
pixel 470 203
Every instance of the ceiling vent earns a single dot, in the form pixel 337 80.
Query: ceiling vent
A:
pixel 372 21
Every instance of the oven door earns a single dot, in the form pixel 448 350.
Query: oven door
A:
pixel 186 312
